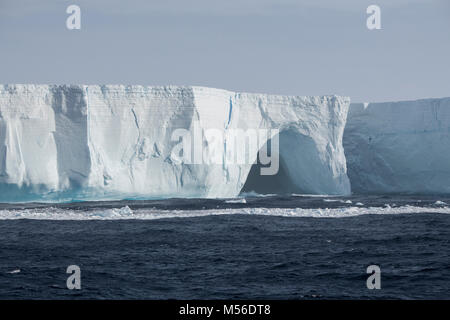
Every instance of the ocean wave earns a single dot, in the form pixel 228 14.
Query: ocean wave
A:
pixel 125 213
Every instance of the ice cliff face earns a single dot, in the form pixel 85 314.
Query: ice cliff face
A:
pixel 103 142
pixel 399 147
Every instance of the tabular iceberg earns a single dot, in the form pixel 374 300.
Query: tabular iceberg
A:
pixel 93 142
pixel 399 147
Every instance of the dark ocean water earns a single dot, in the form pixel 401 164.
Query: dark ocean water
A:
pixel 230 256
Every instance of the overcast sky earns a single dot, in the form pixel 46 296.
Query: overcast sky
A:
pixel 294 47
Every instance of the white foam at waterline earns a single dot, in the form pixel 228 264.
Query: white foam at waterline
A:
pixel 126 213
pixel 253 194
pixel 313 195
pixel 338 200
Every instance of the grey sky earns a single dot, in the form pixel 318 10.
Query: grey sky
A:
pixel 294 47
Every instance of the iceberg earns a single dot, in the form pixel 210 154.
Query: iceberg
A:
pixel 399 147
pixel 95 142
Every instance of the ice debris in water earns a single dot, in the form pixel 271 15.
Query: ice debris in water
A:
pixel 14 271
pixel 236 201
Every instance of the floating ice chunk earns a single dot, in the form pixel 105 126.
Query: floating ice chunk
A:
pixel 14 271
pixel 236 201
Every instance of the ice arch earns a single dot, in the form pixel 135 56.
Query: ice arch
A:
pixel 302 169
pixel 91 142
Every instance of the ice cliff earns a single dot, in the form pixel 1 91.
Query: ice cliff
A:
pixel 399 147
pixel 113 142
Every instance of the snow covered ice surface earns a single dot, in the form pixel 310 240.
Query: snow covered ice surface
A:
pixel 399 147
pixel 92 142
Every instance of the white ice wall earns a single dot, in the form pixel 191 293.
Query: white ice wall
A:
pixel 399 147
pixel 28 155
pixel 114 141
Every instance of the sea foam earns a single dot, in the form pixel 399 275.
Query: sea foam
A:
pixel 125 213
